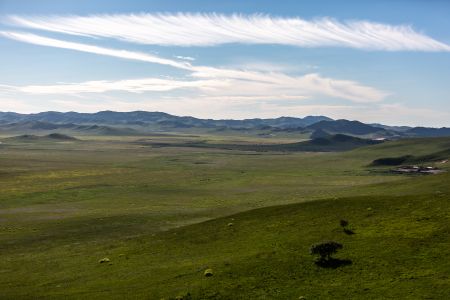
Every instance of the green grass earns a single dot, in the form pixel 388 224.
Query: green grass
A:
pixel 335 143
pixel 161 216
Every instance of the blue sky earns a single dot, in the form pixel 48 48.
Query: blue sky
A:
pixel 374 61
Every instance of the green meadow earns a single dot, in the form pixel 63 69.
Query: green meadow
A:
pixel 163 215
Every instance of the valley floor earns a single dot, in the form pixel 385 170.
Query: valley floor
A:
pixel 162 216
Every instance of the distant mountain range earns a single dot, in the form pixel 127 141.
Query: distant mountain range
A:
pixel 143 122
pixel 143 118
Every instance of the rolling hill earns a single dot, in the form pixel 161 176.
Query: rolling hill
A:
pixel 428 132
pixel 44 127
pixel 53 137
pixel 347 127
pixel 143 122
pixel 331 143
pixel 142 118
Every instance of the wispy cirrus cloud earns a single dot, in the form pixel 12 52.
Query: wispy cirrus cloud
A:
pixel 184 29
pixel 125 54
pixel 222 85
pixel 212 81
pixel 185 57
pixel 101 86
pixel 245 82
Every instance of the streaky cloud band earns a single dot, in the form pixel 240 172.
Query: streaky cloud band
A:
pixel 214 81
pixel 197 29
pixel 125 54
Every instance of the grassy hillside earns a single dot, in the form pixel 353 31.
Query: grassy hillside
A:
pixel 332 143
pixel 29 138
pixel 441 155
pixel 162 216
pixel 347 127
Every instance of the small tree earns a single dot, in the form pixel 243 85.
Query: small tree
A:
pixel 344 223
pixel 325 250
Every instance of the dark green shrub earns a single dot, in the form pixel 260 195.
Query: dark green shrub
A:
pixel 344 223
pixel 325 250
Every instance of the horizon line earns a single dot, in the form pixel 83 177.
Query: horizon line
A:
pixel 181 116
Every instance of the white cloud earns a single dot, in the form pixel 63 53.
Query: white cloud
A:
pixel 185 57
pixel 102 86
pixel 214 29
pixel 223 84
pixel 264 85
pixel 45 41
pixel 214 81
pixel 243 82
pixel 16 105
pixel 264 66
pixel 401 114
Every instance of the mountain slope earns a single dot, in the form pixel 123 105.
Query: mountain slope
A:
pixel 143 121
pixel 44 127
pixel 153 118
pixel 346 127
pixel 428 132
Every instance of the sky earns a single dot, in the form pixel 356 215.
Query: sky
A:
pixel 384 61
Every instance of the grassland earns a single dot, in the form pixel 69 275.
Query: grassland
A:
pixel 162 215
